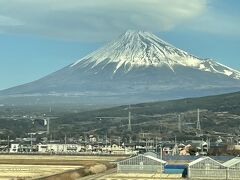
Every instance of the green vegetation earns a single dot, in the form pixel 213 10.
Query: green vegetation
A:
pixel 166 116
pixel 218 113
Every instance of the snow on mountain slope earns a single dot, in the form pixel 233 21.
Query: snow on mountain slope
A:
pixel 136 67
pixel 215 67
pixel 139 48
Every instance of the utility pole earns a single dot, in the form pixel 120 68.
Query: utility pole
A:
pixel 156 141
pixel 8 143
pixel 106 139
pixel 146 145
pixel 31 142
pixel 48 126
pixel 161 155
pixel 65 139
pixel 129 120
pixel 65 142
pixel 130 140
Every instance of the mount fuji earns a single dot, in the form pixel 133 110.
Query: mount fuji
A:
pixel 136 67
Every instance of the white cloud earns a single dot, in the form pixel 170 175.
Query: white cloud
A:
pixel 88 20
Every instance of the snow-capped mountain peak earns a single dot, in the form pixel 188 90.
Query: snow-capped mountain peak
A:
pixel 141 48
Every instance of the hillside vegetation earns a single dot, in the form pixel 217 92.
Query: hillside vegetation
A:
pixel 217 112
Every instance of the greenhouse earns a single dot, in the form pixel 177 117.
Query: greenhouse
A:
pixel 233 168
pixel 141 164
pixel 206 168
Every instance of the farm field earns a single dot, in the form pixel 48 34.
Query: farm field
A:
pixel 132 176
pixel 39 166
pixel 8 171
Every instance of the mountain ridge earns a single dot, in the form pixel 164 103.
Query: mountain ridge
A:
pixel 136 67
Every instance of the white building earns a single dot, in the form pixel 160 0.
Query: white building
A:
pixel 42 148
pixel 59 148
pixel 14 148
pixel 116 149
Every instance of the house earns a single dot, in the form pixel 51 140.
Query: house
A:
pixel 14 148
pixel 42 148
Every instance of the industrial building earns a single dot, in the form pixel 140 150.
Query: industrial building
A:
pixel 141 164
pixel 206 168
pixel 233 168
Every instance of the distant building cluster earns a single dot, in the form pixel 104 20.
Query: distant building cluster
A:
pixel 94 145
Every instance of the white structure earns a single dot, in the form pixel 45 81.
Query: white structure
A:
pixel 59 148
pixel 141 164
pixel 116 149
pixel 206 168
pixel 14 148
pixel 42 148
pixel 92 139
pixel 233 168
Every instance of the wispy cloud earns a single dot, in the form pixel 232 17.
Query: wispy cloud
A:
pixel 217 23
pixel 8 21
pixel 96 20
pixel 88 20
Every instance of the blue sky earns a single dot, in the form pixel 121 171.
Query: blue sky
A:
pixel 41 36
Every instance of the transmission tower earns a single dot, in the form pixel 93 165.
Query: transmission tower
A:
pixel 179 123
pixel 198 121
pixel 129 120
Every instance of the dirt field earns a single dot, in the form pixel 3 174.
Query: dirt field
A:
pixel 134 176
pixel 37 166
pixel 55 159
pixel 31 171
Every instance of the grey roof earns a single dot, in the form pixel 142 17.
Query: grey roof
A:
pixel 147 156
pixel 156 159
pixel 232 162
pixel 153 154
pixel 201 159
